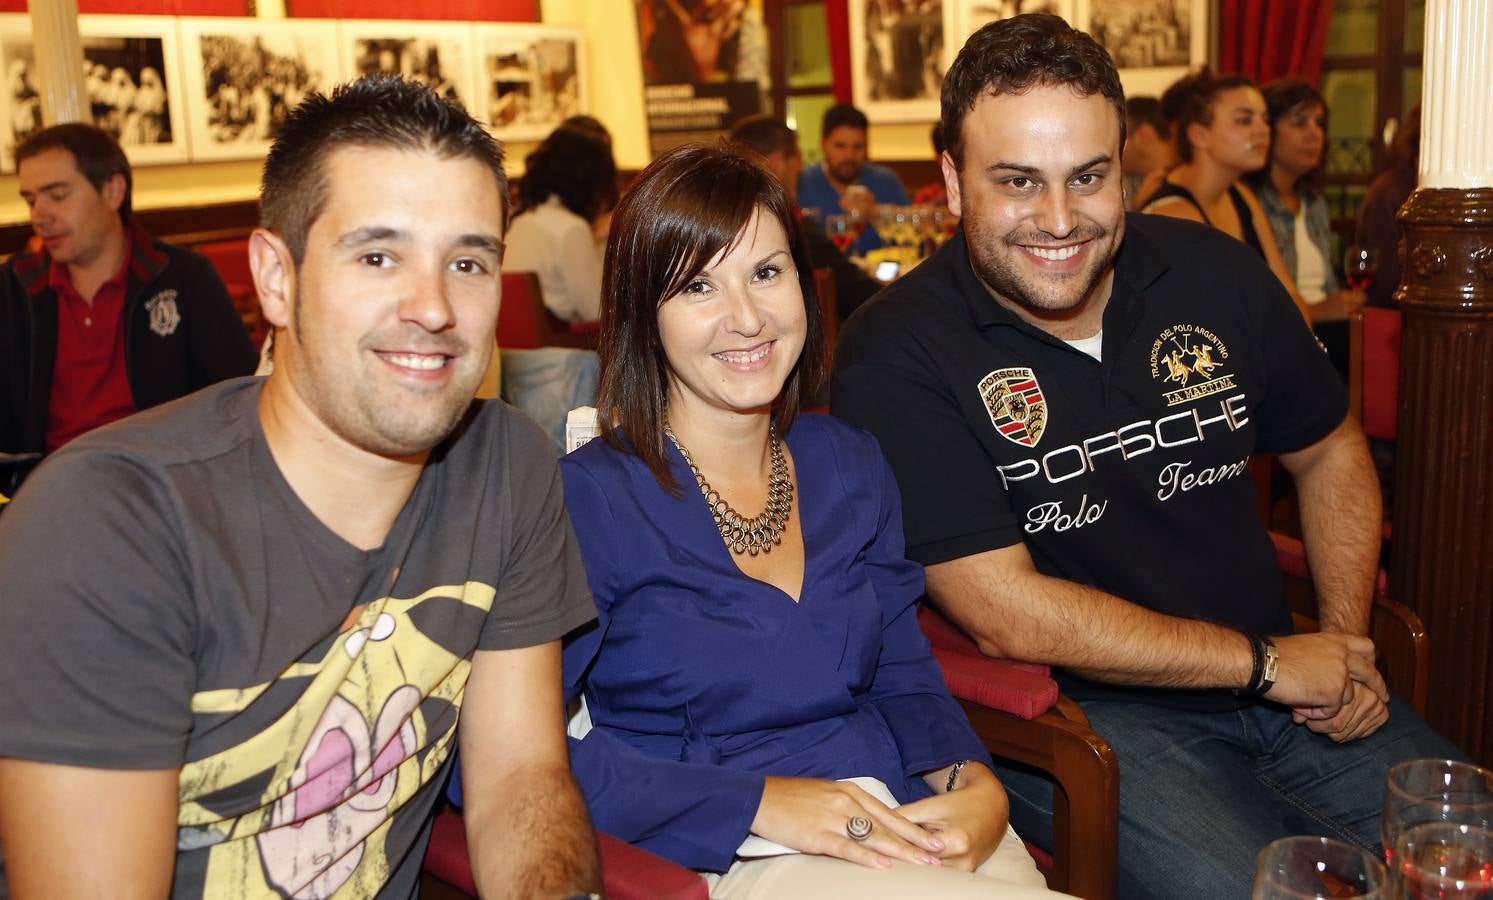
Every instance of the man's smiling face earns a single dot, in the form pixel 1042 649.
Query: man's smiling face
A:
pixel 1040 198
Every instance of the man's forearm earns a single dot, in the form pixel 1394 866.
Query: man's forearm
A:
pixel 1040 619
pixel 1341 515
pixel 533 838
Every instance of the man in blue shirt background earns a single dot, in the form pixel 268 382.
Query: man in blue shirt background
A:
pixel 822 189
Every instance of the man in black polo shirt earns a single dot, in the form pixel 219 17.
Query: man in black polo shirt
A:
pixel 1069 396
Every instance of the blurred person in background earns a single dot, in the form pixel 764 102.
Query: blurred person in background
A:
pixel 844 179
pixel 1288 192
pixel 778 146
pixel 1377 227
pixel 100 320
pixel 1223 133
pixel 592 127
pixel 566 182
pixel 1148 145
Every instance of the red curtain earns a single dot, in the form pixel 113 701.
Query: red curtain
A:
pixel 1270 39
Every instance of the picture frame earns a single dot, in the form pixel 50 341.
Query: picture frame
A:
pixel 972 15
pixel 134 88
pixel 242 77
pixel 530 78
pixel 1153 42
pixel 898 59
pixel 440 54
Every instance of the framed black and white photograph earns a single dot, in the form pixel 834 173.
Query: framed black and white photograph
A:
pixel 439 54
pixel 1153 42
pixel 242 77
pixel 532 78
pixel 899 50
pixel 131 71
pixel 972 15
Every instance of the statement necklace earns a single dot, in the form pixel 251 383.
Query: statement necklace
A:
pixel 761 533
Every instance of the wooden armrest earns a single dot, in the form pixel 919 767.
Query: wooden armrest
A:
pixel 1085 821
pixel 1404 650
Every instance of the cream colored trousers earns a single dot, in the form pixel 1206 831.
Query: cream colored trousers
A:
pixel 1008 873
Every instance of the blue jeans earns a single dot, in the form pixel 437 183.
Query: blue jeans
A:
pixel 1202 793
pixel 548 382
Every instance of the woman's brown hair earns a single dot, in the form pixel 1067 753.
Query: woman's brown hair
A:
pixel 686 208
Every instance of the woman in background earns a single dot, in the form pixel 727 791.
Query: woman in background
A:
pixel 759 701
pixel 566 182
pixel 1297 211
pixel 1223 133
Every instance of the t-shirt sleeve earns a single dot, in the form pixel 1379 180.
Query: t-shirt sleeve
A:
pixel 97 626
pixel 542 592
pixel 885 381
pixel 1305 398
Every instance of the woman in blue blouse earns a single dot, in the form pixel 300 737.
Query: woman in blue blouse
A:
pixel 745 664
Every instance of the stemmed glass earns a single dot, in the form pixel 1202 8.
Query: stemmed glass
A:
pixel 1360 265
pixel 1434 790
pixel 1304 868
pixel 839 230
pixel 1444 861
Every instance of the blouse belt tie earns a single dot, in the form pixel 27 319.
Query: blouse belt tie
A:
pixel 698 748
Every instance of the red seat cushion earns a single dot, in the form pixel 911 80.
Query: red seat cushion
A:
pixel 1022 689
pixel 629 873
pixel 1381 372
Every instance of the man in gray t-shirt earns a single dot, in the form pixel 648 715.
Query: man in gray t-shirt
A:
pixel 237 631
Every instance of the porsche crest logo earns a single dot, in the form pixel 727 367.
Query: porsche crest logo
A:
pixel 1016 406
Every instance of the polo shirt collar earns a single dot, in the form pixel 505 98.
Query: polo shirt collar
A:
pixel 146 261
pixel 1139 263
pixel 61 281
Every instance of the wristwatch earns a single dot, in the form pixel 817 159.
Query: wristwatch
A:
pixel 1270 669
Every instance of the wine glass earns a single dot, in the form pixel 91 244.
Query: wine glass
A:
pixel 1444 861
pixel 1434 790
pixel 1303 868
pixel 1359 265
pixel 841 231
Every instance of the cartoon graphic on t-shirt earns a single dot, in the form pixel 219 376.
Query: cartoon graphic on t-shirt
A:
pixel 324 779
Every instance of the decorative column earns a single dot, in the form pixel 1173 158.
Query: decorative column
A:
pixel 59 60
pixel 1442 559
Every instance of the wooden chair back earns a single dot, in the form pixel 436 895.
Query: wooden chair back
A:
pixel 1019 715
pixel 829 312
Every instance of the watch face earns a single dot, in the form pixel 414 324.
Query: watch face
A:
pixel 1272 664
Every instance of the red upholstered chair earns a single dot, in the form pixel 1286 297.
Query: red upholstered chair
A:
pixel 1374 370
pixel 1017 711
pixel 1374 375
pixel 525 323
pixel 628 872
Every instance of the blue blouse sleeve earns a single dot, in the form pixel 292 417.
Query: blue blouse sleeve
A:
pixel 696 815
pixel 908 689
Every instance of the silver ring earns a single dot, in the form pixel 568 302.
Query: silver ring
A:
pixel 858 827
